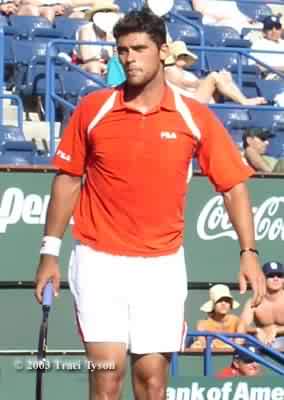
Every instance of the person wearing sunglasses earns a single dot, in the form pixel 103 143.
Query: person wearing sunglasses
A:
pixel 266 321
pixel 270 41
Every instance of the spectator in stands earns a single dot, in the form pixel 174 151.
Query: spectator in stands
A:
pixel 242 364
pixel 220 319
pixel 8 7
pixel 266 321
pixel 223 13
pixel 45 8
pixel 104 16
pixel 271 40
pixel 255 142
pixel 205 90
pixel 277 9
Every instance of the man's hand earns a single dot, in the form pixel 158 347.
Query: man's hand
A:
pixel 48 269
pixel 271 333
pixel 250 272
pixel 267 334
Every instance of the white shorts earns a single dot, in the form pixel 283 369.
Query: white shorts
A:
pixel 138 301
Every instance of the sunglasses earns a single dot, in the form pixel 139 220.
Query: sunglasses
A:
pixel 273 275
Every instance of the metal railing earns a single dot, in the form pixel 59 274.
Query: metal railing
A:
pixel 227 338
pixel 50 96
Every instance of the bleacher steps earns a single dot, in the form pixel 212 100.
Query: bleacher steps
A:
pixel 38 131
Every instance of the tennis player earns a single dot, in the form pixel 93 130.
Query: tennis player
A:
pixel 133 145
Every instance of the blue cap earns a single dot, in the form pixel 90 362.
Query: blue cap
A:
pixel 273 267
pixel 271 21
pixel 245 357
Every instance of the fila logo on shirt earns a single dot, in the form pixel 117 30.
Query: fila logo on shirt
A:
pixel 63 156
pixel 168 135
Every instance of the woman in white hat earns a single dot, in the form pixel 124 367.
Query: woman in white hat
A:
pixel 103 16
pixel 205 90
pixel 220 319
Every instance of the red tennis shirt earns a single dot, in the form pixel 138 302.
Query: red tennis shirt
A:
pixel 228 372
pixel 136 165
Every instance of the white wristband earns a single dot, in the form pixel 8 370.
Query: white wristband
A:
pixel 50 245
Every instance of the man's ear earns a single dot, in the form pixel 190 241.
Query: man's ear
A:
pixel 164 52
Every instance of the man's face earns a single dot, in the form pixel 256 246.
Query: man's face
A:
pixel 274 34
pixel 140 57
pixel 248 369
pixel 181 61
pixel 274 282
pixel 223 306
pixel 258 144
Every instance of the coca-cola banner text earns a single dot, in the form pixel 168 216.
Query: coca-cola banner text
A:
pixel 212 248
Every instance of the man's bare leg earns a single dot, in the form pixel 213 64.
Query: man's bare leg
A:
pixel 226 86
pixel 150 375
pixel 106 384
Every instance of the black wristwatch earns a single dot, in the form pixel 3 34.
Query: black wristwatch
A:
pixel 255 251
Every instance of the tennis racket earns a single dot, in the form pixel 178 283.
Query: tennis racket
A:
pixel 42 342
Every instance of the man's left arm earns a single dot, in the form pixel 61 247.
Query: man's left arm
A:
pixel 238 206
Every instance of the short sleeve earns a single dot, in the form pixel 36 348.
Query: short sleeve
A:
pixel 71 152
pixel 219 157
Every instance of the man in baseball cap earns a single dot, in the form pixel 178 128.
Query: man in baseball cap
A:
pixel 242 364
pixel 273 268
pixel 255 143
pixel 266 321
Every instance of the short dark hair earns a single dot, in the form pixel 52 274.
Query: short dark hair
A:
pixel 261 133
pixel 143 20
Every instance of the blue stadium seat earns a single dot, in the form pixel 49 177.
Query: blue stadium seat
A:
pixel 269 119
pixel 75 84
pixel 255 11
pixel 24 25
pixel 184 8
pixel 127 5
pixel 41 159
pixel 45 34
pixel 9 62
pixel 26 54
pixel 233 117
pixel 25 50
pixel 10 133
pixel 228 60
pixel 270 88
pixel 3 20
pixel 17 152
pixel 181 31
pixel 217 36
pixel 276 144
pixel 67 27
pixel 236 121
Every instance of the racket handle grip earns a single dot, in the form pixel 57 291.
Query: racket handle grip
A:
pixel 47 294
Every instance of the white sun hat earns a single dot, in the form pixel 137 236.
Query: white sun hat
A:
pixel 216 293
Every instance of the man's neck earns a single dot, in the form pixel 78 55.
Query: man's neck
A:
pixel 145 98
pixel 274 296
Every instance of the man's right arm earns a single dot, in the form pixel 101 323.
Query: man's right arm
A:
pixel 246 318
pixel 64 195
